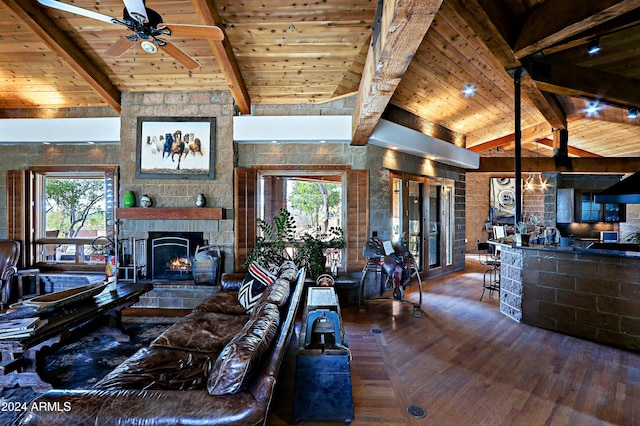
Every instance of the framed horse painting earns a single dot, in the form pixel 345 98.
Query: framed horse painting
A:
pixel 175 147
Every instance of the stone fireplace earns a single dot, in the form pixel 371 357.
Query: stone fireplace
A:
pixel 170 255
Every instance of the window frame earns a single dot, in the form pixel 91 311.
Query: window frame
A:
pixel 39 238
pixel 601 209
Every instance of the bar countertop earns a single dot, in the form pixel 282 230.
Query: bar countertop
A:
pixel 596 249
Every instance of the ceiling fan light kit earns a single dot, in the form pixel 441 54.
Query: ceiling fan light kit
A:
pixel 147 27
pixel 148 46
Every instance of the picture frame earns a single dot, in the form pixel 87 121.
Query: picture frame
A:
pixel 502 198
pixel 175 147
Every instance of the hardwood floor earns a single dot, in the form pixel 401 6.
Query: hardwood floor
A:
pixel 467 364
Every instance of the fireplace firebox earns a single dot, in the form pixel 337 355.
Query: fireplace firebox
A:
pixel 171 254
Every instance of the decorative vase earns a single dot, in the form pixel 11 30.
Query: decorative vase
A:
pixel 201 201
pixel 145 201
pixel 129 199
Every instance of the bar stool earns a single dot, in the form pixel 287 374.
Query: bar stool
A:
pixel 491 276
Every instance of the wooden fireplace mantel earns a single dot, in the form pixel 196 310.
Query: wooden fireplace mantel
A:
pixel 170 213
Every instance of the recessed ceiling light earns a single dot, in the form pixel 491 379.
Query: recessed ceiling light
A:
pixel 323 141
pixel 149 46
pixel 593 46
pixel 592 108
pixel 469 90
pixel 91 143
pixel 274 142
pixel 46 143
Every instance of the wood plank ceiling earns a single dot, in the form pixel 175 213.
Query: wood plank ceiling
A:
pixel 414 58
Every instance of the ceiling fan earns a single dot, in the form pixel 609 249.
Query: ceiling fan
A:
pixel 148 29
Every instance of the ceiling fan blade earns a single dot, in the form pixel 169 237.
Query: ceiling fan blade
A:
pixel 194 31
pixel 55 4
pixel 179 55
pixel 119 47
pixel 137 10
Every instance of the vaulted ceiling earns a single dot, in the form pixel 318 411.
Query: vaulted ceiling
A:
pixel 411 61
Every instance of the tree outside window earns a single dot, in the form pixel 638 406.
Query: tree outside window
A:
pixel 74 205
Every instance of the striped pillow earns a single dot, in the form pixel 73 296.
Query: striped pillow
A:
pixel 255 283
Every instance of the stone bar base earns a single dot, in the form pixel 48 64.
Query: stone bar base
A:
pixel 588 295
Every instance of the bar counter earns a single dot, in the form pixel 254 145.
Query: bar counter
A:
pixel 593 294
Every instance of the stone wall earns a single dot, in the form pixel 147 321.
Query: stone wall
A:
pixel 511 283
pixel 541 205
pixel 593 297
pixel 21 157
pixel 182 192
pixel 378 162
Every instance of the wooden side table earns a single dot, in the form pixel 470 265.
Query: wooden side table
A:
pixel 27 273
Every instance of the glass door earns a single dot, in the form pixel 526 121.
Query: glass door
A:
pixel 396 209
pixel 435 246
pixel 441 225
pixel 415 210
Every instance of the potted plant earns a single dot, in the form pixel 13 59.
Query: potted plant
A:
pixel 311 250
pixel 522 234
pixel 271 247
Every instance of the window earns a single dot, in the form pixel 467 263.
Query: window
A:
pixel 314 200
pixel 73 214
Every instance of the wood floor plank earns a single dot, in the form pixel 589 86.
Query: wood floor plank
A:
pixel 467 364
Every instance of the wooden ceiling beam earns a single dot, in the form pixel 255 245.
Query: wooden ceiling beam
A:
pixel 223 52
pixel 570 80
pixel 545 102
pixel 621 23
pixel 402 26
pixel 51 35
pixel 411 121
pixel 528 134
pixel 554 21
pixel 572 149
pixel 546 164
pixel 495 30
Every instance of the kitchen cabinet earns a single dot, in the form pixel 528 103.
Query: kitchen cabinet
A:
pixel 565 204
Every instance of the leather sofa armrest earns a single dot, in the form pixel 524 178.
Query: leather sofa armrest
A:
pixel 232 281
pixel 136 407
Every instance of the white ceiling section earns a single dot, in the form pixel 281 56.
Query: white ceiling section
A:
pixel 60 130
pixel 400 138
pixel 298 128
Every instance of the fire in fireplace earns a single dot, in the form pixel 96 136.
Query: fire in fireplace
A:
pixel 171 254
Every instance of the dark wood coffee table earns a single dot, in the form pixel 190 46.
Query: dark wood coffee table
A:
pixel 64 324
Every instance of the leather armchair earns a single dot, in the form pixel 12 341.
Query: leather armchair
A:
pixel 9 253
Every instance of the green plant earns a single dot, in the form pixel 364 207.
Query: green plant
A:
pixel 274 239
pixel 522 227
pixel 311 250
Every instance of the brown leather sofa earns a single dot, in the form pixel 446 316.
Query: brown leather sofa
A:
pixel 216 366
pixel 9 253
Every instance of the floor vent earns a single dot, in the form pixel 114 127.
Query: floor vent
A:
pixel 416 412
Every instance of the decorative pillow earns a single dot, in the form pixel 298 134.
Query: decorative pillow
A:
pixel 288 270
pixel 235 364
pixel 279 293
pixel 254 284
